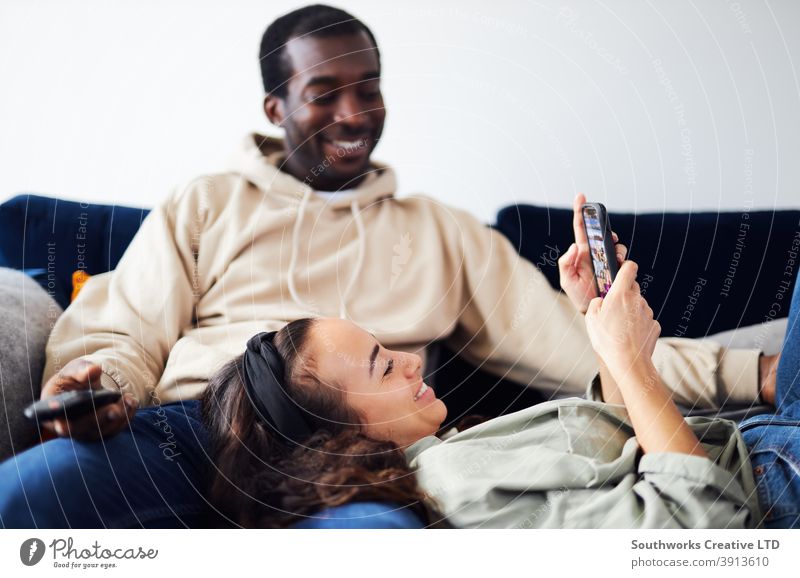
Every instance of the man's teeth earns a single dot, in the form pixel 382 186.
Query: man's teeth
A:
pixel 421 391
pixel 349 145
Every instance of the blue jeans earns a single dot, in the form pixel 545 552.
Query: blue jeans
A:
pixel 151 475
pixel 774 440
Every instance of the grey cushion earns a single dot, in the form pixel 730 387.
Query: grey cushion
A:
pixel 768 337
pixel 27 315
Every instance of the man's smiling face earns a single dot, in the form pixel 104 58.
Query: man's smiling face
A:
pixel 332 111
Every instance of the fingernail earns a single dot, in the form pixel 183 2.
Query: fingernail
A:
pixel 113 415
pixel 131 401
pixel 58 428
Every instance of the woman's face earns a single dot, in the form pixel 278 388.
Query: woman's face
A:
pixel 385 387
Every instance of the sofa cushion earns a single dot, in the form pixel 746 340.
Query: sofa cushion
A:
pixel 50 238
pixel 702 273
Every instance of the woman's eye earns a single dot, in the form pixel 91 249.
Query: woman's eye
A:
pixel 389 367
pixel 370 95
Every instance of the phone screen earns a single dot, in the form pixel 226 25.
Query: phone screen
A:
pixel 595 231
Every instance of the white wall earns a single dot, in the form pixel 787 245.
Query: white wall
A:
pixel 641 104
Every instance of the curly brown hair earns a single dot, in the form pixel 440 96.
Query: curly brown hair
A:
pixel 260 481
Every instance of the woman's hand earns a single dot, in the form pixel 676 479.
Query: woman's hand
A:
pixel 109 420
pixel 621 326
pixel 575 268
pixel 624 334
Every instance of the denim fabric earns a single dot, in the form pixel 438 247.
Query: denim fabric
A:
pixel 774 444
pixel 362 515
pixel 150 476
pixel 774 440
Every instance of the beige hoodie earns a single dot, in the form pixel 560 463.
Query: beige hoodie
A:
pixel 232 254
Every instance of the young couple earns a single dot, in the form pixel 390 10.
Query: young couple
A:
pixel 309 226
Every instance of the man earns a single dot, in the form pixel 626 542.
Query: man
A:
pixel 299 227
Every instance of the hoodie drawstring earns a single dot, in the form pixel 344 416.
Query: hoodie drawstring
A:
pixel 359 260
pixel 296 245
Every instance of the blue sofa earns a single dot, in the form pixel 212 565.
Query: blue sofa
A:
pixel 740 260
pixel 701 272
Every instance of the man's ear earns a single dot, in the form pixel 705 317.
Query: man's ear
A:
pixel 273 107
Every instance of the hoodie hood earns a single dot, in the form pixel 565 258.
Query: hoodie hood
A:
pixel 259 161
pixel 260 157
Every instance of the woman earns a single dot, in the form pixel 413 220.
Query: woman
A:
pixel 320 414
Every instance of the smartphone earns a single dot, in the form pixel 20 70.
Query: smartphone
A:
pixel 71 404
pixel 601 246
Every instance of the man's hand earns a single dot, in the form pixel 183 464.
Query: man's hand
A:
pixel 106 422
pixel 575 266
pixel 767 374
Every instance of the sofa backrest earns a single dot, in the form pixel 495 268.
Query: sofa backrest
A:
pixel 702 273
pixel 49 239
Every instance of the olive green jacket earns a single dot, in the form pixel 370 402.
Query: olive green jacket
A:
pixel 575 463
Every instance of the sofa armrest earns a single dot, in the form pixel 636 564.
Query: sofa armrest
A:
pixel 28 314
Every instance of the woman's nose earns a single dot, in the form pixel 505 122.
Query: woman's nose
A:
pixel 413 364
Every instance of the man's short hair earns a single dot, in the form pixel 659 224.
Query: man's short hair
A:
pixel 313 21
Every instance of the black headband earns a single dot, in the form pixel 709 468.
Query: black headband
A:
pixel 263 379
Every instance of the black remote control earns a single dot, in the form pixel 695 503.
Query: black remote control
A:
pixel 71 404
